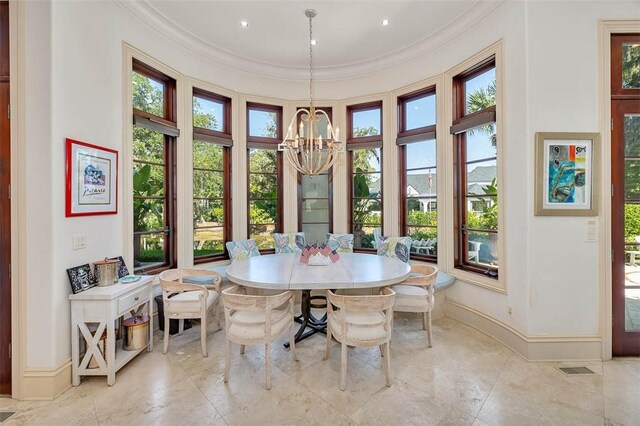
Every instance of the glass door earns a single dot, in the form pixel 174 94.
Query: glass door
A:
pixel 625 110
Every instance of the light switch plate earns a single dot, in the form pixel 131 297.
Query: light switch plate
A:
pixel 79 241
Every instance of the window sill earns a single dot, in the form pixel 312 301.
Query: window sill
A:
pixel 480 280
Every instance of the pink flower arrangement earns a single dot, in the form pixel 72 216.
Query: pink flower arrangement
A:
pixel 322 249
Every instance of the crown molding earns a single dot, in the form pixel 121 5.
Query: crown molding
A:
pixel 147 14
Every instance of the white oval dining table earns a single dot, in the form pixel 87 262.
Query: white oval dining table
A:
pixel 286 272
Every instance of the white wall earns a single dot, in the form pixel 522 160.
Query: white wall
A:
pixel 563 59
pixel 74 89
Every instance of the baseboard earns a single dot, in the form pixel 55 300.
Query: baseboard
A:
pixel 531 348
pixel 46 384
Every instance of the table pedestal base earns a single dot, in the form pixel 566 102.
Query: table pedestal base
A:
pixel 307 320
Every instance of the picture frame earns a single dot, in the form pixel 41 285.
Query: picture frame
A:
pixel 566 178
pixel 91 179
pixel 81 278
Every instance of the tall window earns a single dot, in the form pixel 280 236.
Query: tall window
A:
pixel 417 141
pixel 364 145
pixel 264 133
pixel 154 161
pixel 211 175
pixel 476 185
pixel 315 196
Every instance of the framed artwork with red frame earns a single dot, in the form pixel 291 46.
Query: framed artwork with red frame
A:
pixel 91 180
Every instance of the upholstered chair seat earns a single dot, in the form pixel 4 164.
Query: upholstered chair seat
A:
pixel 360 321
pixel 183 300
pixel 257 320
pixel 416 294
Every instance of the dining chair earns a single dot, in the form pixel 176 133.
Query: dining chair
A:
pixel 342 243
pixel 184 300
pixel 360 321
pixel 256 320
pixel 398 247
pixel 242 249
pixel 416 294
pixel 289 243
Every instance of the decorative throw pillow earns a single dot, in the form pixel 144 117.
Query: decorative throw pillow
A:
pixel 242 249
pixel 289 243
pixel 398 247
pixel 342 243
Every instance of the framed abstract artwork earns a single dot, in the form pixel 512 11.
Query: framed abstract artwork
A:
pixel 566 174
pixel 91 179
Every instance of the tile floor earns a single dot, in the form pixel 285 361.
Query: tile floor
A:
pixel 467 378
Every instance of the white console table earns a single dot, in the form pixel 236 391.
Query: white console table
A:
pixel 103 306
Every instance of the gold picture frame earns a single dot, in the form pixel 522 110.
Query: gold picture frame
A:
pixel 567 167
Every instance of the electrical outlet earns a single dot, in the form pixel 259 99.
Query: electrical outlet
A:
pixel 79 241
pixel 510 311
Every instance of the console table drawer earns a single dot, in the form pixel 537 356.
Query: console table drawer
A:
pixel 132 300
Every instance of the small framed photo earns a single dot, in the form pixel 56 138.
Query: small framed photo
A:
pixel 92 179
pixel 80 278
pixel 566 174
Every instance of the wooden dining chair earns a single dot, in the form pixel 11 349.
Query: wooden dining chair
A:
pixel 415 294
pixel 183 300
pixel 360 321
pixel 257 320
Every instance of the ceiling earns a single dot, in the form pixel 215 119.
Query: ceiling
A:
pixel 351 39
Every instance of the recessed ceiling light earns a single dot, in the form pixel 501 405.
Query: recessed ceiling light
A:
pixel 385 22
pixel 314 42
pixel 244 24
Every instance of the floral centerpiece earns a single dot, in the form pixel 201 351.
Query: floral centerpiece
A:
pixel 318 254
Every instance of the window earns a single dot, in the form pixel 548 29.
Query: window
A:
pixel 417 155
pixel 211 175
pixel 475 173
pixel 264 133
pixel 315 207
pixel 364 162
pixel 154 162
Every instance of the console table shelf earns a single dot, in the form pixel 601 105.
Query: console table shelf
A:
pixel 103 306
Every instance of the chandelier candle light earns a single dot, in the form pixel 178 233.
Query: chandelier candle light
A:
pixel 306 150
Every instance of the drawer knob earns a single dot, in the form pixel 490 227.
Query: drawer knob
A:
pixel 137 298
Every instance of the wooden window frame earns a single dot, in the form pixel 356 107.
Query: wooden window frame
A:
pixel 462 123
pixel 362 142
pixel 428 132
pixel 227 227
pixel 329 112
pixel 617 91
pixel 367 106
pixel 169 118
pixel 269 143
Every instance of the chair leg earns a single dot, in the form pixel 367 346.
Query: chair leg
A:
pixel 424 320
pixel 241 349
pixel 267 353
pixel 218 314
pixel 227 361
pixel 180 326
pixel 203 336
pixel 292 342
pixel 381 350
pixel 387 364
pixel 166 335
pixel 429 332
pixel 327 351
pixel 343 368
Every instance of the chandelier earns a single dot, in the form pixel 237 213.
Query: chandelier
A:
pixel 303 145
